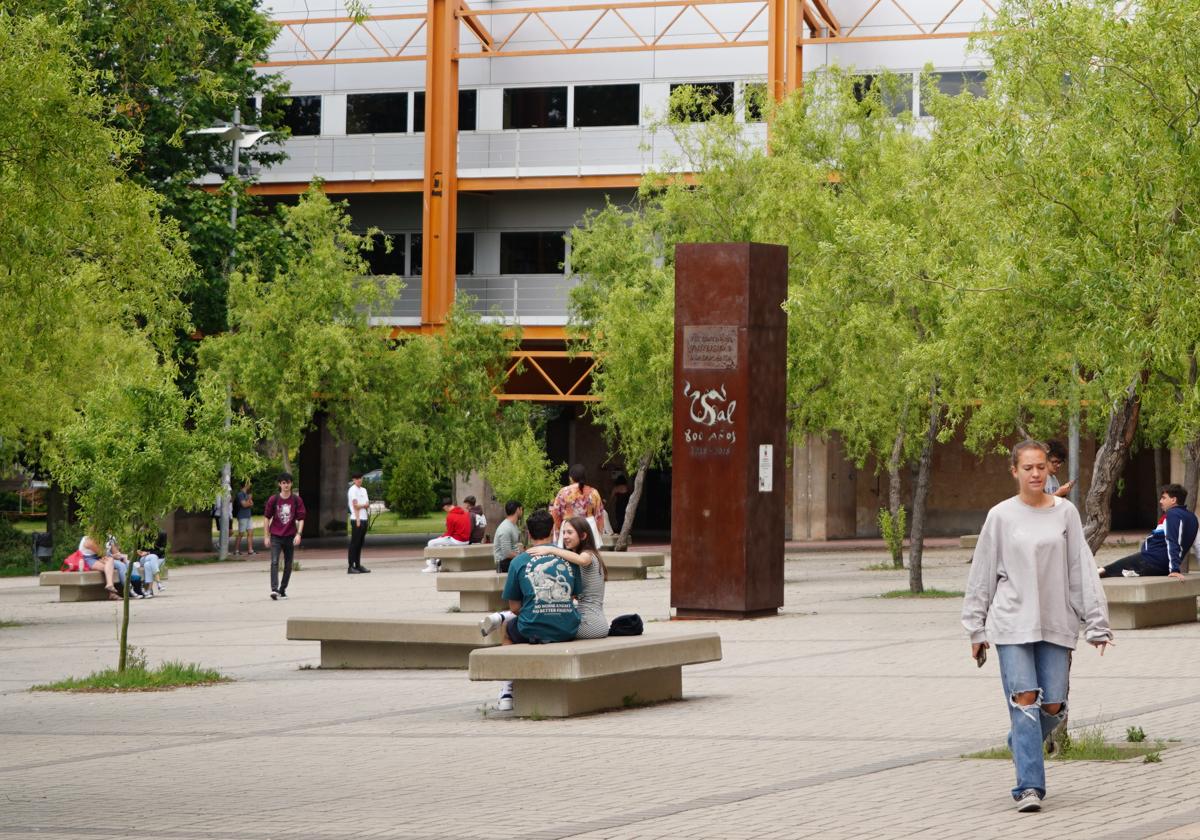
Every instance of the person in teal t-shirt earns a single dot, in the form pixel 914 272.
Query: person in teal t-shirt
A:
pixel 540 590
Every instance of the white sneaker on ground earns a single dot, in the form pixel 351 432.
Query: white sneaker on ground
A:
pixel 489 623
pixel 505 703
pixel 432 565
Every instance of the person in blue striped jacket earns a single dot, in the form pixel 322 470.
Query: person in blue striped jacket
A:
pixel 1162 553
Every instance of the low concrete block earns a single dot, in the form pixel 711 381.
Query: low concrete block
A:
pixel 392 643
pixel 76 586
pixel 573 678
pixel 464 558
pixel 477 591
pixel 1150 601
pixel 632 565
pixel 968 540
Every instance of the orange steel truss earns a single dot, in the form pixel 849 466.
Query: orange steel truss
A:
pixel 566 30
pixel 549 376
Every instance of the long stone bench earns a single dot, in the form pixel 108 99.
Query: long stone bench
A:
pixel 477 591
pixel 393 642
pixel 574 678
pixel 463 558
pixel 968 540
pixel 632 565
pixel 76 586
pixel 1150 601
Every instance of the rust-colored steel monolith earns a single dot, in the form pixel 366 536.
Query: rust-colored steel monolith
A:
pixel 727 472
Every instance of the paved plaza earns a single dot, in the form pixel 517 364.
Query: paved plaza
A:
pixel 844 717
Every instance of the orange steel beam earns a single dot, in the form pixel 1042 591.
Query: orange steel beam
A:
pixel 439 221
pixel 412 185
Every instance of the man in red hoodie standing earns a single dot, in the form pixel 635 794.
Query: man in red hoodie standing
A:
pixel 458 532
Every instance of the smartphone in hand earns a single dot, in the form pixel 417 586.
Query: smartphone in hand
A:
pixel 981 657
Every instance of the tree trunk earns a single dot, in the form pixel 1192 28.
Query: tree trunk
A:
pixel 635 496
pixel 124 656
pixel 1191 472
pixel 1110 463
pixel 921 494
pixel 894 489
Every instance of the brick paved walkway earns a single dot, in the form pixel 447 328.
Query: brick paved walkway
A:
pixel 842 718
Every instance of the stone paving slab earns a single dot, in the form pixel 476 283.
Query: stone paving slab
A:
pixel 844 717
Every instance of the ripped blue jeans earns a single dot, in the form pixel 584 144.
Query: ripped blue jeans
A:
pixel 1044 668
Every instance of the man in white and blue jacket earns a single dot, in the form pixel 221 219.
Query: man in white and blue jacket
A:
pixel 1163 551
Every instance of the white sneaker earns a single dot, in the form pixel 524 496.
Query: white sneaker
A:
pixel 432 566
pixel 489 623
pixel 505 703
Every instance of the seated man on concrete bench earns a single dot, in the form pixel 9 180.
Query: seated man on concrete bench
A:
pixel 506 544
pixel 458 532
pixel 540 592
pixel 1163 552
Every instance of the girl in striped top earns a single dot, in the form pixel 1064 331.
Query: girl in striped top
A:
pixel 579 547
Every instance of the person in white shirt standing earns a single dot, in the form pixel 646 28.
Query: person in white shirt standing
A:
pixel 359 505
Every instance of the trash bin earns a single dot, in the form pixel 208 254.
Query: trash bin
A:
pixel 43 549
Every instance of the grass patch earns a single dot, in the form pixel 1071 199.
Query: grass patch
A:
pixel 883 567
pixel 166 676
pixel 1088 745
pixel 389 523
pixel 928 593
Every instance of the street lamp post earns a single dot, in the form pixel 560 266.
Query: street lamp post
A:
pixel 239 137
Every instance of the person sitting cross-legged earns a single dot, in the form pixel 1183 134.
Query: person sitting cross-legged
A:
pixel 540 592
pixel 458 532
pixel 1163 551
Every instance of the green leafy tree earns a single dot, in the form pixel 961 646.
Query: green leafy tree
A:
pixel 166 67
pixel 519 470
pixel 136 452
pixel 302 341
pixel 84 254
pixel 1085 156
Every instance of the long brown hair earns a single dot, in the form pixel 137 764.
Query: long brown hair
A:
pixel 587 542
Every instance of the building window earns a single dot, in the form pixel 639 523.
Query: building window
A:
pixel 897 96
pixel 377 113
pixel 535 107
pixel 383 262
pixel 601 105
pixel 464 254
pixel 973 82
pixel 543 252
pixel 302 114
pixel 702 101
pixel 466 110
pixel 755 95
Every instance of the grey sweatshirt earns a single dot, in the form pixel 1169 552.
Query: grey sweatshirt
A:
pixel 1033 578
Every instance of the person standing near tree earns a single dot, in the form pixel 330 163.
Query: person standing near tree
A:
pixel 360 509
pixel 1032 584
pixel 577 499
pixel 284 513
pixel 1055 461
pixel 243 509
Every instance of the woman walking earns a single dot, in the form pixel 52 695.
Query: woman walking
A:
pixel 1033 581
pixel 577 499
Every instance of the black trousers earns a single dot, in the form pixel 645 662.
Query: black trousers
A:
pixel 285 546
pixel 1138 563
pixel 358 533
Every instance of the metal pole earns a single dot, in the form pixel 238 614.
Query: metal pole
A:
pixel 226 468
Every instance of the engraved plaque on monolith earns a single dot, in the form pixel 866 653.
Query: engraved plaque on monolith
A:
pixel 727 509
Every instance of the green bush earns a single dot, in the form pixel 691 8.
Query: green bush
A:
pixel 520 470
pixel 408 485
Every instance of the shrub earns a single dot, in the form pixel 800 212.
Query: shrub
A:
pixel 408 485
pixel 520 470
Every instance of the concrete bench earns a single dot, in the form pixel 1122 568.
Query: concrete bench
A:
pixel 76 586
pixel 464 558
pixel 477 591
pixel 632 565
pixel 392 642
pixel 968 540
pixel 574 678
pixel 1150 601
